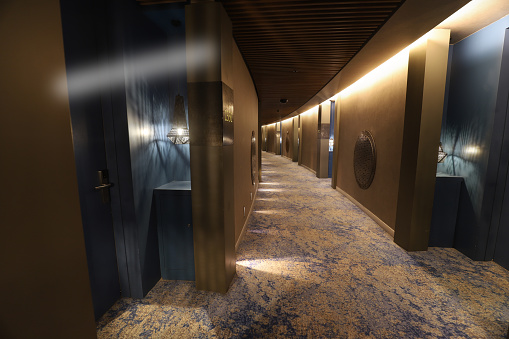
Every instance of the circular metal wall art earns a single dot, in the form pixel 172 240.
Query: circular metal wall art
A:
pixel 364 160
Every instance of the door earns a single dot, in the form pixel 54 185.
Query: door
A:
pixel 82 49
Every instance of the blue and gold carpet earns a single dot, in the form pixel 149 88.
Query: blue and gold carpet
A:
pixel 313 265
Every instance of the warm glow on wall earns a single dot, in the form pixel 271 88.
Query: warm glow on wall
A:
pixel 384 70
pixel 473 16
pixel 379 73
pixel 145 132
pixel 288 119
pixel 474 11
pixel 311 111
pixel 471 151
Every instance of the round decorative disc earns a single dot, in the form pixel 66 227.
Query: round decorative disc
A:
pixel 364 160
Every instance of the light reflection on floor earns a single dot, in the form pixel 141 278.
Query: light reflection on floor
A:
pixel 270 189
pixel 290 266
pixel 269 212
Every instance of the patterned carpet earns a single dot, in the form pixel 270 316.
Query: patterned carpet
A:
pixel 313 265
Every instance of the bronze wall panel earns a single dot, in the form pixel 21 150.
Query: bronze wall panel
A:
pixel 295 135
pixel 308 142
pixel 427 69
pixel 245 122
pixel 271 138
pixel 211 126
pixel 335 155
pixel 45 282
pixel 228 115
pixel 322 141
pixel 229 214
pixel 213 231
pixel 317 141
pixel 207 30
pixel 205 113
pixel 288 138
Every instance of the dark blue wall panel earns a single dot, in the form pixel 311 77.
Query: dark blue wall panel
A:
pixel 467 131
pixel 150 103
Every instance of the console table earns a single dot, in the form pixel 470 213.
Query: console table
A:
pixel 175 230
pixel 445 210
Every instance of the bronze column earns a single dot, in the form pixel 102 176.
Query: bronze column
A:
pixel 427 69
pixel 210 96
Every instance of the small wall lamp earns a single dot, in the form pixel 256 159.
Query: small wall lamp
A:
pixel 441 154
pixel 179 133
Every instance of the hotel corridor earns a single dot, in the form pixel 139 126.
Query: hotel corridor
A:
pixel 311 264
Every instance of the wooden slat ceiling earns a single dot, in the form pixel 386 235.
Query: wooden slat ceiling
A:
pixel 294 47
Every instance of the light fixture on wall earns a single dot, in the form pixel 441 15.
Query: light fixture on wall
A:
pixel 179 133
pixel 441 154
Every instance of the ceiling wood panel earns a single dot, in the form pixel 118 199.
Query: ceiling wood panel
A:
pixel 294 48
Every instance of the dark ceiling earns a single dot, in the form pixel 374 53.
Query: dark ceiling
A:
pixel 293 48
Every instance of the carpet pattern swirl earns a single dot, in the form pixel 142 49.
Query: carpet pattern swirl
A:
pixel 313 265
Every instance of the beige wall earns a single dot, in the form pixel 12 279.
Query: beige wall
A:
pixel 245 121
pixel 309 130
pixel 45 284
pixel 380 109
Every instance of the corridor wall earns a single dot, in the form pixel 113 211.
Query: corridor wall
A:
pixel 378 107
pixel 400 104
pixel 245 122
pixel 309 132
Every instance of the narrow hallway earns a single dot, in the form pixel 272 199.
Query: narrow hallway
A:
pixel 313 265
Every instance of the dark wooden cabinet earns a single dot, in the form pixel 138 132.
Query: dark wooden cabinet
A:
pixel 175 230
pixel 445 210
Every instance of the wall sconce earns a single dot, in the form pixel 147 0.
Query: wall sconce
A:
pixel 179 133
pixel 441 154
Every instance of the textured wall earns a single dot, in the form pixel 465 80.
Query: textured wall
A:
pixel 309 130
pixel 46 292
pixel 467 130
pixel 378 108
pixel 245 122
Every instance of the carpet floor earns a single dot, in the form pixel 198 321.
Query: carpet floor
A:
pixel 313 265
